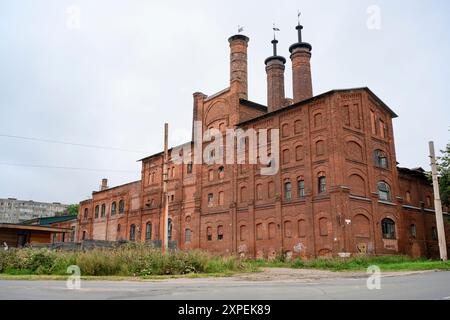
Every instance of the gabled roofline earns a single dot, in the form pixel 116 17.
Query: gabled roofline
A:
pixel 252 104
pixel 320 96
pixel 162 152
pixel 119 186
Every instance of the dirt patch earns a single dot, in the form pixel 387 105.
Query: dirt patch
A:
pixel 288 274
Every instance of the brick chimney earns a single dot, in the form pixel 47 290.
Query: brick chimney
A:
pixel 104 185
pixel 301 68
pixel 238 62
pixel 275 80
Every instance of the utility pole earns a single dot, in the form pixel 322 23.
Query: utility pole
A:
pixel 438 205
pixel 165 202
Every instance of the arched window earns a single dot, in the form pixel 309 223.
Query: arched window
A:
pixel 285 130
pixel 187 235
pixel 413 231
pixel 132 232
pixel 148 231
pixel 220 232
pixel 297 126
pixel 86 212
pixel 243 194
pixel 301 188
pixel 103 210
pixel 408 197
pixel 388 228
pixel 384 191
pixel 428 201
pixel 286 157
pixel 210 199
pixel 287 191
pixel 221 172
pixel 84 235
pixel 113 208
pixel 211 175
pixel 96 211
pixel 209 233
pixel 259 191
pixel 322 184
pixel 434 234
pixel 121 206
pixel 169 229
pixel 380 159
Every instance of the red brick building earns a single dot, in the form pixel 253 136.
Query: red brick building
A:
pixel 338 187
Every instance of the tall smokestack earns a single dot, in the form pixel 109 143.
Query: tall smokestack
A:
pixel 275 79
pixel 301 68
pixel 104 185
pixel 238 62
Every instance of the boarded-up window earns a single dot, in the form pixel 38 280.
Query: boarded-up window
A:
pixel 318 120
pixel 259 191
pixel 323 226
pixel 354 151
pixel 272 230
pixel 320 148
pixel 298 126
pixel 301 228
pixel 361 226
pixel 243 194
pixel 243 233
pixel 288 229
pixel 299 153
pixel 346 115
pixel 357 185
pixel 271 189
pixel 285 130
pixel 259 231
pixel 221 198
pixel 285 156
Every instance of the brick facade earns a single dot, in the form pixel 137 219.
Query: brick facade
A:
pixel 338 188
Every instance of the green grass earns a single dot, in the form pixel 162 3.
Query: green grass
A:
pixel 138 261
pixel 129 261
pixel 359 263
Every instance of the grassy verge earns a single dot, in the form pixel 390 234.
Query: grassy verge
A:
pixel 141 262
pixel 359 263
pixel 127 261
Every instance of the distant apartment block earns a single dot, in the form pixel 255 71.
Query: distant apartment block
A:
pixel 17 211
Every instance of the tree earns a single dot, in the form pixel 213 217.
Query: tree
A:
pixel 72 209
pixel 443 166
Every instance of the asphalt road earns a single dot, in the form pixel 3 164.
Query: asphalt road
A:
pixel 428 285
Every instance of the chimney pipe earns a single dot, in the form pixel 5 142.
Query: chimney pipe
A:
pixel 238 62
pixel 275 80
pixel 301 68
pixel 104 185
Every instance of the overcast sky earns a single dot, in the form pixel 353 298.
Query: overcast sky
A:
pixel 115 75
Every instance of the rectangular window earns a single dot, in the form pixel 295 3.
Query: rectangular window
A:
pixel 322 184
pixel 187 235
pixel 210 199
pixel 413 231
pixel 301 188
pixel 189 168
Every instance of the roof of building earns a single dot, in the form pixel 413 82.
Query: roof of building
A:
pixel 304 102
pixel 122 185
pixel 46 221
pixel 32 227
pixel 415 172
pixel 290 107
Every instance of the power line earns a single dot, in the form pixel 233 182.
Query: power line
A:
pixel 71 143
pixel 63 167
